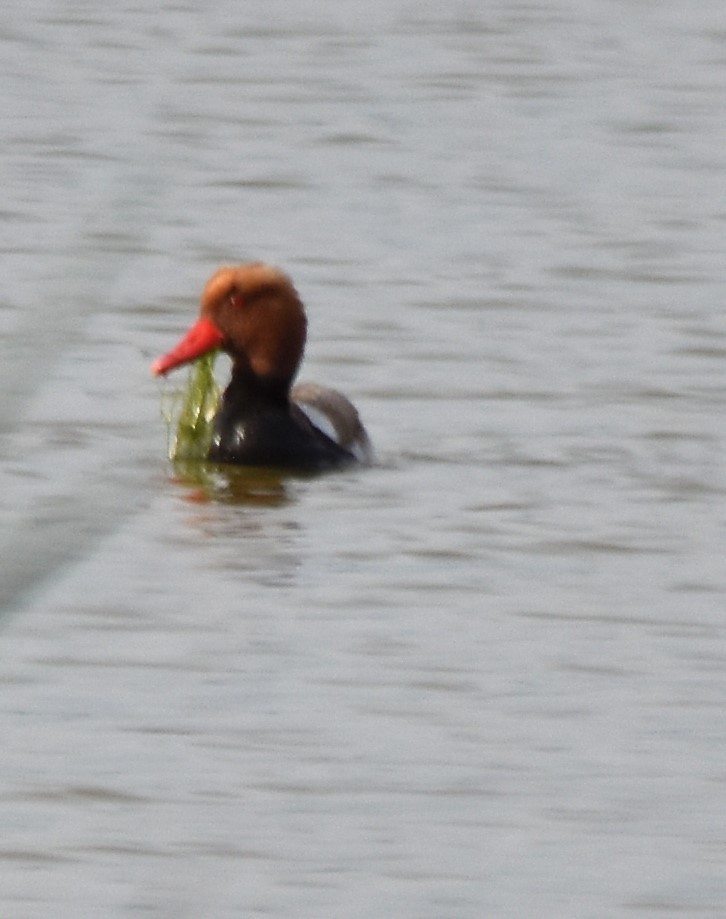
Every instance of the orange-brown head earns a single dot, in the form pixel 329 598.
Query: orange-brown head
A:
pixel 252 312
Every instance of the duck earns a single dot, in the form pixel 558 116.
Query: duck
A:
pixel 254 313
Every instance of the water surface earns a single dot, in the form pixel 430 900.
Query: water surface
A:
pixel 485 677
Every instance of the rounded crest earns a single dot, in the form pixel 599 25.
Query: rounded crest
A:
pixel 259 312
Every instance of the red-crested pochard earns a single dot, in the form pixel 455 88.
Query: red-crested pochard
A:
pixel 254 313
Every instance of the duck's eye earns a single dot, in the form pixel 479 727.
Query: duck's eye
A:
pixel 235 298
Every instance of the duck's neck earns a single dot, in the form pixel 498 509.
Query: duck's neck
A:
pixel 248 393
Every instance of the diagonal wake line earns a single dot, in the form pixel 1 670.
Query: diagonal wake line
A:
pixel 53 535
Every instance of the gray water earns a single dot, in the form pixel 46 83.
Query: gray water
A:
pixel 485 678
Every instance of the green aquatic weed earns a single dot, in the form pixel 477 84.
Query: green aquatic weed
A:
pixel 191 412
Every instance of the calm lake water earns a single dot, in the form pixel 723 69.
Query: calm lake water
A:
pixel 485 678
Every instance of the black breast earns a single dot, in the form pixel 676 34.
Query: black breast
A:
pixel 260 427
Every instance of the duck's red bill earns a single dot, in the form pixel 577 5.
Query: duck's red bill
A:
pixel 203 337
